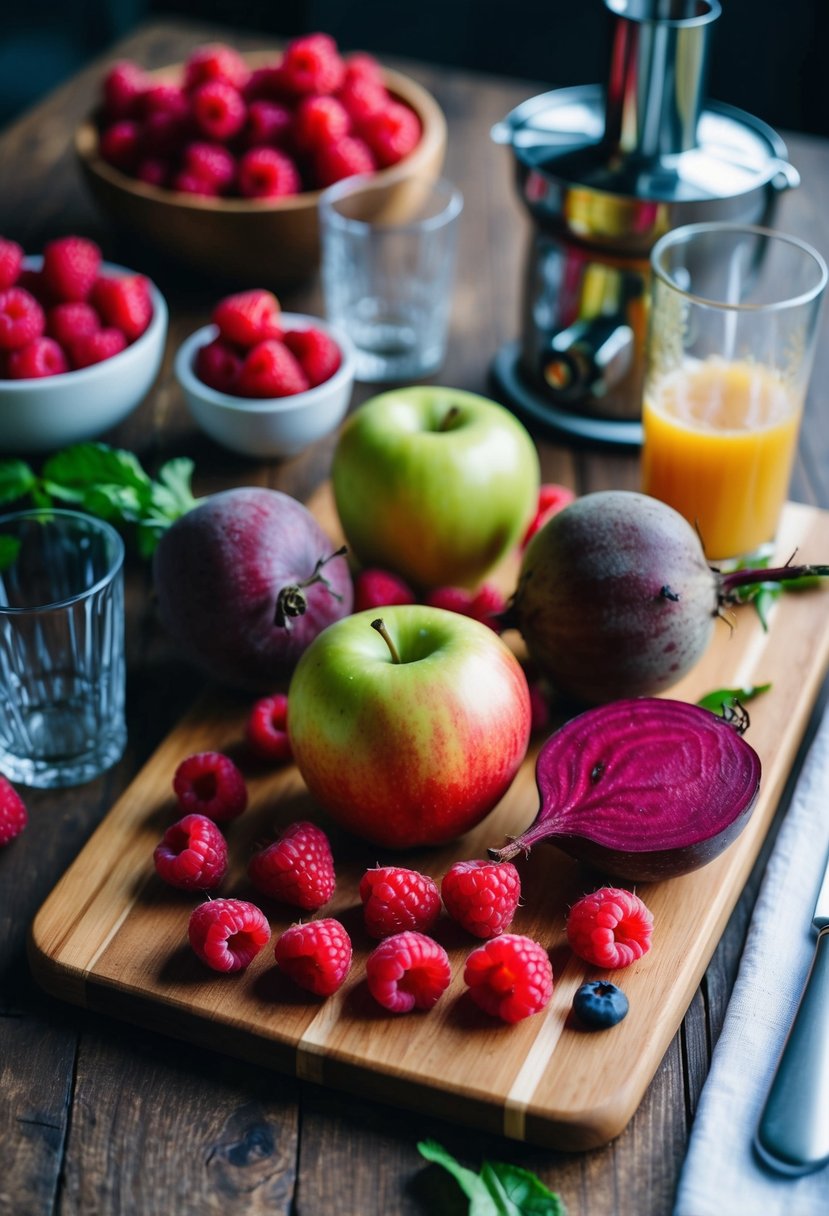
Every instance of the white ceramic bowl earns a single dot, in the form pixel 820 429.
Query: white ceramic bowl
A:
pixel 268 426
pixel 48 413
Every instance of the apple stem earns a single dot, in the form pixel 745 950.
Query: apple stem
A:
pixel 380 626
pixel 292 600
pixel 449 418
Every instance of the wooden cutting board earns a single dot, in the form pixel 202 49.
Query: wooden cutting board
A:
pixel 113 938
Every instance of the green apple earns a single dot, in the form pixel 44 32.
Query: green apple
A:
pixel 434 484
pixel 408 730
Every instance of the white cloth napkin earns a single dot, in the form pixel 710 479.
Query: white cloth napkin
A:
pixel 721 1176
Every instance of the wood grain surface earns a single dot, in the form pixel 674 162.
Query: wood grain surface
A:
pixel 99 1117
pixel 112 937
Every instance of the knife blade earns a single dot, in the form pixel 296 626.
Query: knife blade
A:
pixel 793 1133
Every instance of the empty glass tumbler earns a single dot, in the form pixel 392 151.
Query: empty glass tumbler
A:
pixel 388 270
pixel 62 679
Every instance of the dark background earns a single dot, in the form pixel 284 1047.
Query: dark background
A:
pixel 768 58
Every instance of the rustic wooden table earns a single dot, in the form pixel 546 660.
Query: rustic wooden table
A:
pixel 96 1116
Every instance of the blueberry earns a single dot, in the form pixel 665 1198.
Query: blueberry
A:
pixel 600 1004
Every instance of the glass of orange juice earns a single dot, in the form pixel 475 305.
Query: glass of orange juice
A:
pixel 734 313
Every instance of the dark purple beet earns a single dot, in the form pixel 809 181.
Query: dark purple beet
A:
pixel 245 581
pixel 616 599
pixel 642 789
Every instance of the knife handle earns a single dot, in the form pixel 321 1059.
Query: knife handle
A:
pixel 793 1133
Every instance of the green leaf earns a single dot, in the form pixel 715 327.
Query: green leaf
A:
pixel 86 464
pixel 725 697
pixel 499 1189
pixel 9 549
pixel 172 495
pixel 16 479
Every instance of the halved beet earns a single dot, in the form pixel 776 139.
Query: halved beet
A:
pixel 642 789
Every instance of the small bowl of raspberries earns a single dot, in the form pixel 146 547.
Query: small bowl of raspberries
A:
pixel 264 382
pixel 220 161
pixel 81 343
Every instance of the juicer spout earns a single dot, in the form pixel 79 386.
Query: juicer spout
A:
pixel 658 62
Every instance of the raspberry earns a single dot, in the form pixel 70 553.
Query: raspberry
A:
pixel 347 156
pixel 265 84
pixel 482 895
pixel 210 783
pixel 34 282
pixel 297 868
pixel 11 262
pixel 395 899
pixel 165 99
pixel 66 322
pixel 247 318
pixel 123 86
pixel 408 971
pixel 509 977
pixel 70 267
pixel 96 347
pixel 270 370
pixel 320 121
pixel 266 731
pixel 267 173
pixel 375 588
pixel 267 123
pixel 119 144
pixel 218 365
pixel 154 170
pixel 317 956
pixel 485 605
pixel 362 99
pixel 392 133
pixel 215 61
pixel 219 110
pixel 162 134
pixel 610 928
pixel 318 354
pixel 21 318
pixel 190 183
pixel 210 162
pixel 311 64
pixel 124 303
pixel 362 66
pixel 38 358
pixel 13 816
pixel 552 498
pixel 192 854
pixel 227 934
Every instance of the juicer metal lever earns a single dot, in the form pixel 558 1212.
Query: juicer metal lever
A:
pixel 587 358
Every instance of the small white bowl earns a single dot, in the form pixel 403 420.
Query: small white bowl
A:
pixel 47 413
pixel 268 426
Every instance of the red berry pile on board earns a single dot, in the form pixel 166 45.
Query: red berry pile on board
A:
pixel 255 355
pixel 69 314
pixel 301 122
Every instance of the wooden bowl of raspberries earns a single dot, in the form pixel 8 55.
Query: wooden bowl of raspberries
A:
pixel 219 161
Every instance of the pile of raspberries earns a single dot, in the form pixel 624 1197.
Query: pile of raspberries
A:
pixel 300 123
pixel 69 313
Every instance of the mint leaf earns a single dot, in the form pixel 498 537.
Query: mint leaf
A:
pixel 87 464
pixel 725 698
pixel 17 479
pixel 499 1189
pixel 9 549
pixel 172 495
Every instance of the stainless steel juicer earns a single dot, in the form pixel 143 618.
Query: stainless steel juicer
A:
pixel 604 172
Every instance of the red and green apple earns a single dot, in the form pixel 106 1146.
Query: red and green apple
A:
pixel 408 730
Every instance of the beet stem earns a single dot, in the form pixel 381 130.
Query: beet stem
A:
pixel 292 601
pixel 728 583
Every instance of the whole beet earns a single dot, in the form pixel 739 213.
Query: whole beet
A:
pixel 615 597
pixel 245 581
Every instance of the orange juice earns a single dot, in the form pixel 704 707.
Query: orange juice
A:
pixel 720 440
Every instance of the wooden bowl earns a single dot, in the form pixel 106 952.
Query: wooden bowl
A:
pixel 261 242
